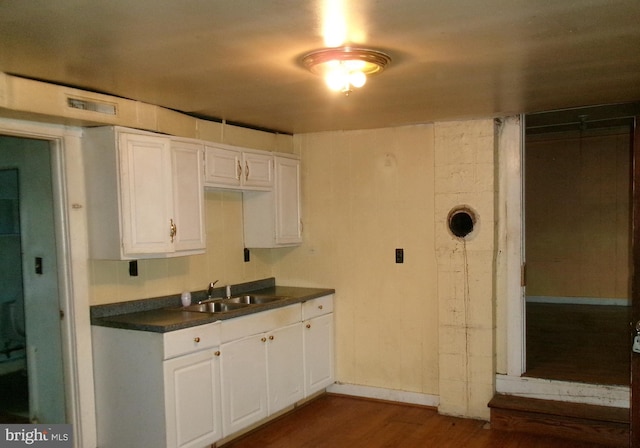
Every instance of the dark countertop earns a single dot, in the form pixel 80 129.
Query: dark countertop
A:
pixel 161 315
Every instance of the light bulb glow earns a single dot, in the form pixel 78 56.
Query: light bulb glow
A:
pixel 335 80
pixel 340 76
pixel 357 79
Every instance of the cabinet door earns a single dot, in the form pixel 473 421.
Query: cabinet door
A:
pixel 244 383
pixel 284 367
pixel 192 400
pixel 188 193
pixel 222 166
pixel 146 194
pixel 257 170
pixel 318 353
pixel 288 218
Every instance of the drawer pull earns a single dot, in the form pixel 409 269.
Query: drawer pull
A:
pixel 308 325
pixel 196 339
pixel 216 353
pixel 319 307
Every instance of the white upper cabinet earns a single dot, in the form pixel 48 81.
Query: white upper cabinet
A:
pixel 188 195
pixel 144 194
pixel 273 219
pixel 237 168
pixel 288 214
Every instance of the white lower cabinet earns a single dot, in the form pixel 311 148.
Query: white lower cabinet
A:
pixel 157 389
pixel 318 342
pixel 244 383
pixel 192 399
pixel 189 388
pixel 262 373
pixel 284 367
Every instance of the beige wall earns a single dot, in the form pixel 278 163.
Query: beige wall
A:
pixel 577 214
pixel 365 194
pixel 424 326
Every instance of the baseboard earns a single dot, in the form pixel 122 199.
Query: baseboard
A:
pixel 579 300
pixel 379 393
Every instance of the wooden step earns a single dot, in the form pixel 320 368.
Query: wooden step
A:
pixel 576 421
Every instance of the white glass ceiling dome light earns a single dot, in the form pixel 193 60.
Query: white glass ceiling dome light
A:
pixel 345 67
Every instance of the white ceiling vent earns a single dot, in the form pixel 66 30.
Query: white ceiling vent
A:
pixel 92 106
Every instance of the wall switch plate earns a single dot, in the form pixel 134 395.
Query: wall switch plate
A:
pixel 399 255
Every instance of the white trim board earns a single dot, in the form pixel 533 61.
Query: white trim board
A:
pixel 597 394
pixel 579 300
pixel 378 393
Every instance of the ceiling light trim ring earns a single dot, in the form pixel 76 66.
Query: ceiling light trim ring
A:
pixel 375 61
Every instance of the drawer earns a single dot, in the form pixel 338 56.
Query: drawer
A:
pixel 317 307
pixel 260 322
pixel 191 339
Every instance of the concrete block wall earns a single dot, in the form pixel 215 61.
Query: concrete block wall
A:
pixel 465 177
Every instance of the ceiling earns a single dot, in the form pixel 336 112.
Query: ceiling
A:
pixel 239 60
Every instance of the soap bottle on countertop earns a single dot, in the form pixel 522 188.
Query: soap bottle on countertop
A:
pixel 228 291
pixel 185 298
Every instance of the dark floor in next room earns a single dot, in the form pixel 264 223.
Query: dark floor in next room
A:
pixel 582 343
pixel 14 398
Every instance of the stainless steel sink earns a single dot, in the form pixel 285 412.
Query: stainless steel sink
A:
pixel 231 304
pixel 213 307
pixel 254 299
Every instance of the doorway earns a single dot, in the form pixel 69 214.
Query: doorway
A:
pixel 31 365
pixel 577 241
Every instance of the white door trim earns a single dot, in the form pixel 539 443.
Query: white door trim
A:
pixel 72 255
pixel 509 291
pixel 510 294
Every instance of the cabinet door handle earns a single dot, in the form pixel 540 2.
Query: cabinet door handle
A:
pixel 263 339
pixel 271 338
pixel 196 339
pixel 246 170
pixel 173 229
pixel 216 353
pixel 308 325
pixel 239 170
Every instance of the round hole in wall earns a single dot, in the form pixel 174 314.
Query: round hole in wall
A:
pixel 462 221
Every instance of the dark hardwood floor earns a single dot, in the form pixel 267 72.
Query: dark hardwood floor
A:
pixel 334 421
pixel 583 343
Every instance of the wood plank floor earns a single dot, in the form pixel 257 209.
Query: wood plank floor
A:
pixel 334 421
pixel 583 343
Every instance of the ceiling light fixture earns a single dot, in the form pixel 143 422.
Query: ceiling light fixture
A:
pixel 345 67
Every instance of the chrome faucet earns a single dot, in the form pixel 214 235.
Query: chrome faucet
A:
pixel 210 289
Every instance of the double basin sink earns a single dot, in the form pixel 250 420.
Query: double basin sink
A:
pixel 231 304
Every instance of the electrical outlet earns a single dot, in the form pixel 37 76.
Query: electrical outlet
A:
pixel 399 255
pixel 133 268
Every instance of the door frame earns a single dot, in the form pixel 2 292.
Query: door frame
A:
pixel 510 300
pixel 72 258
pixel 634 414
